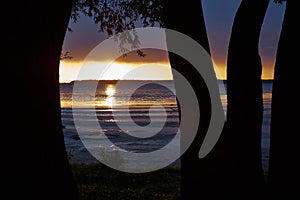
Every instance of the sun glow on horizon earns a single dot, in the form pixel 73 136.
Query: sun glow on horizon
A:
pixel 70 71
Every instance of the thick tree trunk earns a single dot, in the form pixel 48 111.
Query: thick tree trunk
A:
pixel 284 165
pixel 36 162
pixel 199 177
pixel 244 93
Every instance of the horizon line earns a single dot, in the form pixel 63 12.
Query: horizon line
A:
pixel 140 80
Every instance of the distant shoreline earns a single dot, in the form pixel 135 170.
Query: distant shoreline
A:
pixel 112 81
pixel 116 81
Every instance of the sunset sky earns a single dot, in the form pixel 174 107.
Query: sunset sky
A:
pixel 218 15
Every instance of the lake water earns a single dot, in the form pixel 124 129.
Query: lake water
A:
pixel 121 113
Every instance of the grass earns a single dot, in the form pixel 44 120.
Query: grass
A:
pixel 96 181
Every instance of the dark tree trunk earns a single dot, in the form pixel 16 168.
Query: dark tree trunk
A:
pixel 244 93
pixel 36 162
pixel 199 177
pixel 284 143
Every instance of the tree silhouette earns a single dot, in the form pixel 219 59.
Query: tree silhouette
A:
pixel 116 16
pixel 37 166
pixel 283 167
pixel 35 161
pixel 199 177
pixel 244 93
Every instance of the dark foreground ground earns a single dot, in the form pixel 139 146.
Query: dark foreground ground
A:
pixel 96 181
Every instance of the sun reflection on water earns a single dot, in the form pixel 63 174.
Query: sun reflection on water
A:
pixel 109 101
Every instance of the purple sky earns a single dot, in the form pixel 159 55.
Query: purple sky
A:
pixel 218 14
